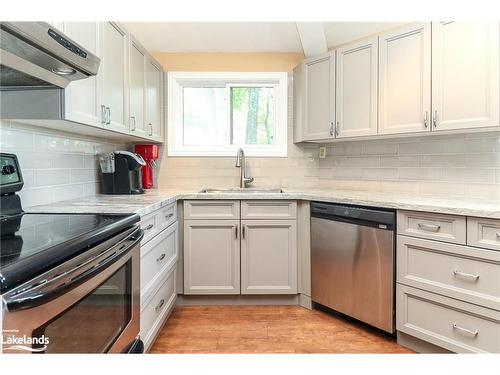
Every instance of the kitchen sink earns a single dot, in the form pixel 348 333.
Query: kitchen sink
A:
pixel 243 190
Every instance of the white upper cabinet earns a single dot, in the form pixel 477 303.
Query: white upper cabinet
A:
pixel 465 75
pixel 137 89
pixel 81 97
pixel 113 77
pixel 154 98
pixel 356 89
pixel 319 86
pixel 405 80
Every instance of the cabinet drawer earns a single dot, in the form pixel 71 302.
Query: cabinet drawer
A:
pixel 264 209
pixel 461 272
pixel 483 233
pixel 157 257
pixel 149 225
pixel 215 209
pixel 157 308
pixel 457 326
pixel 167 216
pixel 448 228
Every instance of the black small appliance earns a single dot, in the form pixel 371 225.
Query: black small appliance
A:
pixel 121 172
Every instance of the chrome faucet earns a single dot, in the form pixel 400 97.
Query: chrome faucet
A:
pixel 240 163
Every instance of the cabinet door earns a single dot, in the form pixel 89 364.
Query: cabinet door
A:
pixel 81 99
pixel 465 75
pixel 211 257
pixel 405 80
pixel 298 103
pixel 137 89
pixel 113 79
pixel 268 257
pixel 356 109
pixel 154 85
pixel 319 98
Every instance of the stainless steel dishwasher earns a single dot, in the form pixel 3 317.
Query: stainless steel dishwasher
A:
pixel 353 262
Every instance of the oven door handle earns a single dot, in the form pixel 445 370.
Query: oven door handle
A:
pixel 50 290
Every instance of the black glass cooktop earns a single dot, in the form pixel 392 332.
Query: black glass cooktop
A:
pixel 33 243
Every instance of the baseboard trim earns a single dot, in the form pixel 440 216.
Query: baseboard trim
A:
pixel 419 345
pixel 238 300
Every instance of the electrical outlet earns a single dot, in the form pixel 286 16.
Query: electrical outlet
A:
pixel 322 152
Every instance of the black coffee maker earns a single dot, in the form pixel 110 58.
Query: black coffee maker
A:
pixel 121 172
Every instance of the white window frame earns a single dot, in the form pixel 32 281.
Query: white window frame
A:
pixel 177 80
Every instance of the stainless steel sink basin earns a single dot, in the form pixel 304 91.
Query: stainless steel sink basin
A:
pixel 243 190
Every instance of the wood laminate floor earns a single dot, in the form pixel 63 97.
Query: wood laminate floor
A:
pixel 267 329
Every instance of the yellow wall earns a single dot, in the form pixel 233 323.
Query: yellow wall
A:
pixel 227 62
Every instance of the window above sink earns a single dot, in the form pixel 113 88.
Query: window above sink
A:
pixel 214 114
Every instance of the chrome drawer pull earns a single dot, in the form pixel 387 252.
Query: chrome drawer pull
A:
pixel 160 258
pixel 465 274
pixel 150 226
pixel 465 330
pixel 498 236
pixel 160 305
pixel 168 216
pixel 429 227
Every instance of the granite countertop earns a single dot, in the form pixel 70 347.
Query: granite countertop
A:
pixel 155 199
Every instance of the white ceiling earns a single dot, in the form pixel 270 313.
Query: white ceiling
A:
pixel 338 33
pixel 243 36
pixel 217 36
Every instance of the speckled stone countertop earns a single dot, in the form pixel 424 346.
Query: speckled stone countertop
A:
pixel 155 199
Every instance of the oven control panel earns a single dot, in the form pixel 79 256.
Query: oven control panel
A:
pixel 11 179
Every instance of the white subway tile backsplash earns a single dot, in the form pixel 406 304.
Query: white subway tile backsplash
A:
pixel 399 161
pixel 69 161
pixel 84 175
pixel 55 165
pixel 49 177
pixel 458 165
pixel 14 140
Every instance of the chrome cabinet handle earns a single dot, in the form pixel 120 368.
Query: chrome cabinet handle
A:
pixel 466 275
pixel 168 216
pixel 435 118
pixel 426 124
pixel 243 231
pixel 150 226
pixel 150 129
pixel 103 114
pixel 464 330
pixel 429 227
pixel 160 258
pixel 108 110
pixel 498 236
pixel 236 231
pixel 132 121
pixel 331 128
pixel 160 305
pixel 337 125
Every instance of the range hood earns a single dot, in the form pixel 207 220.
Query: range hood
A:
pixel 37 55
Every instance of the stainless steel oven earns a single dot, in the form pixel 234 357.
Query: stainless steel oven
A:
pixel 88 304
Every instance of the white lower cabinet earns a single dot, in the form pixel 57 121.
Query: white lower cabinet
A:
pixel 269 257
pixel 448 294
pixel 446 322
pixel 211 257
pixel 159 256
pixel 155 310
pixel 245 255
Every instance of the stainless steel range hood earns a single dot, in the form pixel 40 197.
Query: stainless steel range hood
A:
pixel 37 55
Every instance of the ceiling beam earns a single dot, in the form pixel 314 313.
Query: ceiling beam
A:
pixel 312 37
